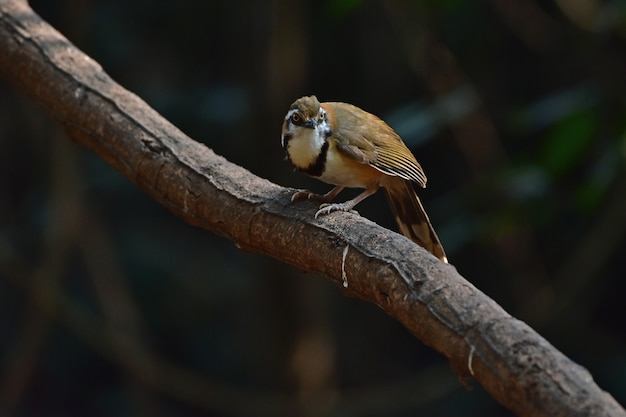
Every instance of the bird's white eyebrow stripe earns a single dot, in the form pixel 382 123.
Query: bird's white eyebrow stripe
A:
pixel 290 113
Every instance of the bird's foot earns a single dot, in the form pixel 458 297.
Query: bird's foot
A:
pixel 329 208
pixel 307 195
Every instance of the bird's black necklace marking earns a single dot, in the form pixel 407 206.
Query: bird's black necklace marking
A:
pixel 286 138
pixel 317 168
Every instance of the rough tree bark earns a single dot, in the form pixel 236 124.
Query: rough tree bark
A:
pixel 517 366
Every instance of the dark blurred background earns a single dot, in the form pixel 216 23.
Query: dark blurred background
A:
pixel 111 306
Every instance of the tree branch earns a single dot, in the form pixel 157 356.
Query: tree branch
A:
pixel 517 366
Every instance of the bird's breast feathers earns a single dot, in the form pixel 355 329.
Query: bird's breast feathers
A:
pixel 342 170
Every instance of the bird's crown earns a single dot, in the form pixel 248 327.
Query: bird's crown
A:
pixel 307 106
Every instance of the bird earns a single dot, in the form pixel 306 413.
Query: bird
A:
pixel 345 146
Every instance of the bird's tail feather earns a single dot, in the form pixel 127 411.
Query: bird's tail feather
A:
pixel 411 217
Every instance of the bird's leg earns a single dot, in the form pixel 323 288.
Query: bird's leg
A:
pixel 328 208
pixel 307 195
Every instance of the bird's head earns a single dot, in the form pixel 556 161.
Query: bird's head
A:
pixel 305 113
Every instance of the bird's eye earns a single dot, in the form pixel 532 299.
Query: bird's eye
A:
pixel 295 118
pixel 322 117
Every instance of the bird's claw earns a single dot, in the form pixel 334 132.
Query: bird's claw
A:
pixel 327 208
pixel 303 195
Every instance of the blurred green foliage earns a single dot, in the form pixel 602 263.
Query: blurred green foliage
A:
pixel 516 109
pixel 567 142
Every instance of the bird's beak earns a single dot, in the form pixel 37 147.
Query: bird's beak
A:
pixel 310 123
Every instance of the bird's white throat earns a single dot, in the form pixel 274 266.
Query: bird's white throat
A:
pixel 305 145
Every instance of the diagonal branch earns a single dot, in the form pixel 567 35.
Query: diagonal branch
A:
pixel 517 366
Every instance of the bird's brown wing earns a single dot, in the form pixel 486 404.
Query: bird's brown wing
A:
pixel 369 140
